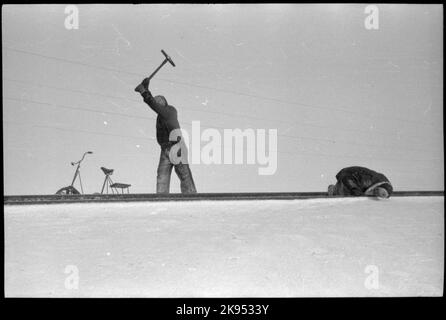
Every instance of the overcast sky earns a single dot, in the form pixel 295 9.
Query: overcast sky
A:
pixel 338 94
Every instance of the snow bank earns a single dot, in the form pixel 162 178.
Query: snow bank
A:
pixel 317 247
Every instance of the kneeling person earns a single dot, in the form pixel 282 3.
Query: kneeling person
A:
pixel 359 181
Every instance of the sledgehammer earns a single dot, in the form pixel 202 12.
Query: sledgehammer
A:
pixel 167 59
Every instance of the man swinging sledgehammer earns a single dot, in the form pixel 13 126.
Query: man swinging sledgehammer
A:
pixel 166 122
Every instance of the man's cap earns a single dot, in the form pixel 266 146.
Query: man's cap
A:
pixel 161 100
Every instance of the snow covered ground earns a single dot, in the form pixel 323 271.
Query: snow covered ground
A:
pixel 269 248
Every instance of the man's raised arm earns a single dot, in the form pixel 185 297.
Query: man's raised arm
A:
pixel 143 89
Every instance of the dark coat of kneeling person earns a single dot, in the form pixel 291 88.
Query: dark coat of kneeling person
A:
pixel 361 181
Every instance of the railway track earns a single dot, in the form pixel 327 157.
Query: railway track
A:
pixel 85 198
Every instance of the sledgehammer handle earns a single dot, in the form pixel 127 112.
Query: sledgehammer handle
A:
pixel 157 69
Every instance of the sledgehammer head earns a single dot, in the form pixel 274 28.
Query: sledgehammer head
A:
pixel 168 58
